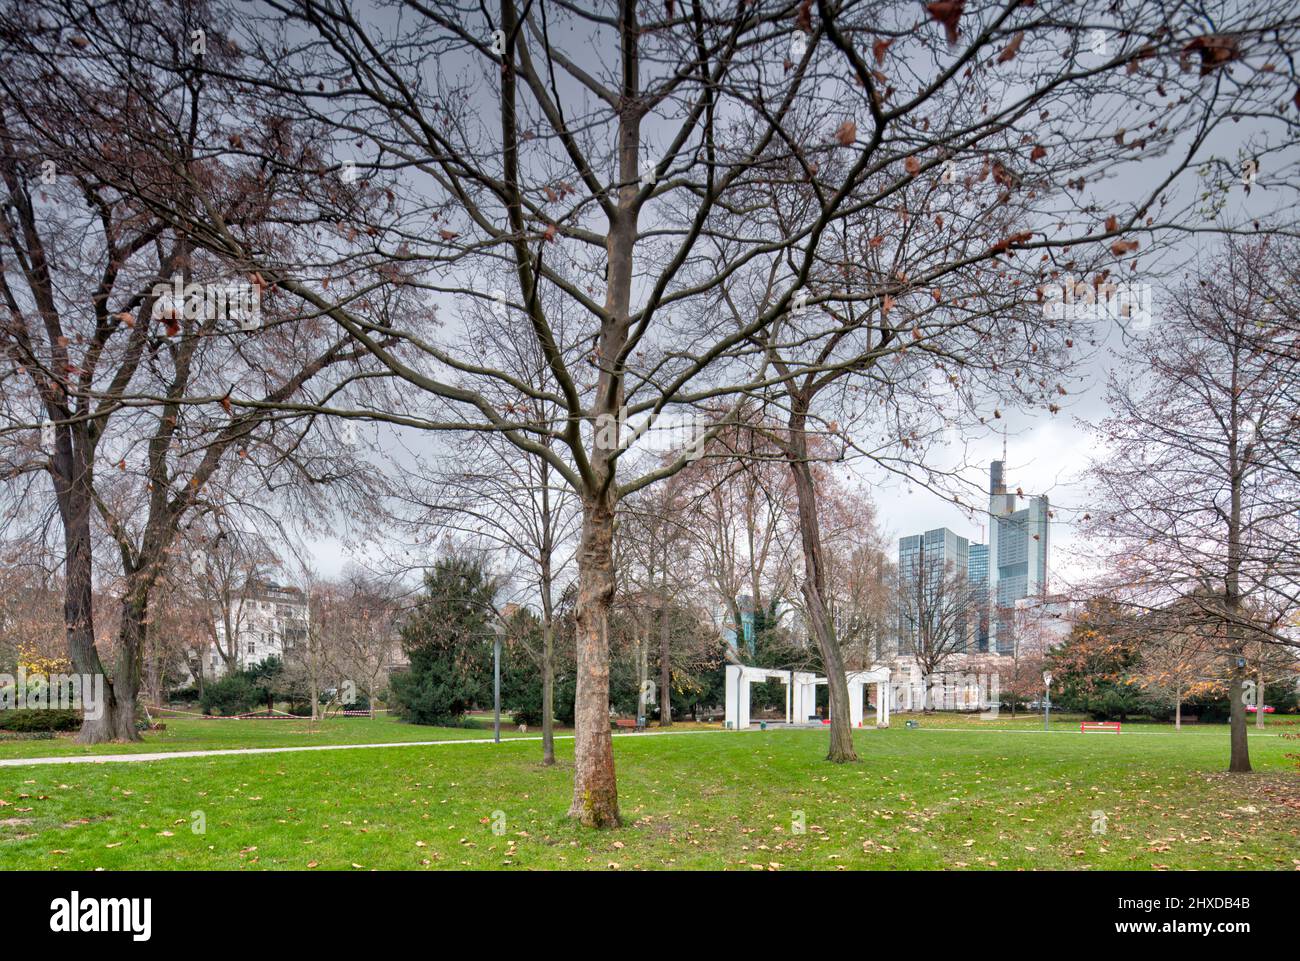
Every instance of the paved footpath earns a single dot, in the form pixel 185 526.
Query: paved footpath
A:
pixel 169 755
pixel 239 751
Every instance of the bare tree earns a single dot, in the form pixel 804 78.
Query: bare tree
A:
pixel 31 621
pixel 740 501
pixel 511 502
pixel 1198 483
pixel 861 580
pixel 1271 663
pixel 366 631
pixel 109 339
pixel 1176 663
pixel 656 537
pixel 938 611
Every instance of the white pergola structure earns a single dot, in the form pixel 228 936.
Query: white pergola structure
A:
pixel 801 693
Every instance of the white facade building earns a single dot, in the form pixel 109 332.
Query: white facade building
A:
pixel 265 620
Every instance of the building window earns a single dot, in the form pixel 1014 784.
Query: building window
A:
pixel 252 647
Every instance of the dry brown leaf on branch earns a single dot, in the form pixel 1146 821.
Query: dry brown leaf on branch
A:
pixel 912 165
pixel 847 133
pixel 803 19
pixel 1214 49
pixel 1003 176
pixel 1010 50
pixel 878 50
pixel 948 13
pixel 1121 247
pixel 1038 153
pixel 1004 245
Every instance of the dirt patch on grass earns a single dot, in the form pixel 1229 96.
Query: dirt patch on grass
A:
pixel 1264 788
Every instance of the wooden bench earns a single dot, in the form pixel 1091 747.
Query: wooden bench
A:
pixel 626 723
pixel 1087 726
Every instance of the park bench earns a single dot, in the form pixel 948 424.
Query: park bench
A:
pixel 628 723
pixel 1087 726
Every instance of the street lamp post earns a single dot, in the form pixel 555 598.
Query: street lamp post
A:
pixel 1047 713
pixel 500 630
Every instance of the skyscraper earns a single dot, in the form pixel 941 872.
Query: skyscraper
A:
pixel 924 562
pixel 1017 552
pixel 977 575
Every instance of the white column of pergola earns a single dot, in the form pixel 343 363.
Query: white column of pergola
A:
pixel 801 693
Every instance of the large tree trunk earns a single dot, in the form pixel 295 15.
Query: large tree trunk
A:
pixel 819 624
pixel 595 793
pixel 117 718
pixel 665 670
pixel 116 715
pixel 153 667
pixel 1239 760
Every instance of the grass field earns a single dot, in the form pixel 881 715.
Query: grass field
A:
pixel 932 798
pixel 185 733
pixel 200 734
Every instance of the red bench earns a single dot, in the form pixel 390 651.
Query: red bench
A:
pixel 627 722
pixel 1087 726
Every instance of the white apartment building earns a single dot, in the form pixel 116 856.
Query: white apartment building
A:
pixel 266 620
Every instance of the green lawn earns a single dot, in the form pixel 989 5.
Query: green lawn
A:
pixel 1069 722
pixel 930 798
pixel 201 734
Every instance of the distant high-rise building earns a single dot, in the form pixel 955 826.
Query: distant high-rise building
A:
pixel 977 575
pixel 928 558
pixel 1017 551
